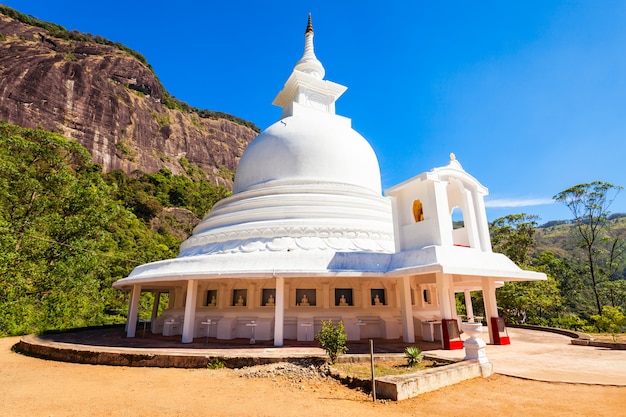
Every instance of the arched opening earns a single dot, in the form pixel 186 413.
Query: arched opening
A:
pixel 456 216
pixel 459 232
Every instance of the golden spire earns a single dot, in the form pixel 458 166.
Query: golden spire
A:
pixel 309 62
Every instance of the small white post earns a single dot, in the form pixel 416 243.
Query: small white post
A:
pixel 474 345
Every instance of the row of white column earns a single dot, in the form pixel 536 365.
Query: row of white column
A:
pixel 447 301
pixel 445 293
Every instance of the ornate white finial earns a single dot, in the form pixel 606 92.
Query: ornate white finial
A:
pixel 453 161
pixel 309 63
pixel 306 86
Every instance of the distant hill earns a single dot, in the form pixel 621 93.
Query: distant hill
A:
pixel 560 237
pixel 552 223
pixel 107 97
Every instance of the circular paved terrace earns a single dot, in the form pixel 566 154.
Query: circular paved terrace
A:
pixel 532 354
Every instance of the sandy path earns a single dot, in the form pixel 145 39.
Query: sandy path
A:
pixel 35 387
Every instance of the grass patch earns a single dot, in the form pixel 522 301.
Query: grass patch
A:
pixel 363 370
pixel 607 337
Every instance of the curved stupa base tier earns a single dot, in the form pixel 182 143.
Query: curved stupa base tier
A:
pixel 286 215
pixel 470 266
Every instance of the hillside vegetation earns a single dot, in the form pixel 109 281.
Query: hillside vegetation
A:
pixel 68 231
pixel 586 286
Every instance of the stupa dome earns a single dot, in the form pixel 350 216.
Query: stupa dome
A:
pixel 309 181
pixel 310 146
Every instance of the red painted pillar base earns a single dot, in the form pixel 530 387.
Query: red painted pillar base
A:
pixel 450 335
pixel 498 331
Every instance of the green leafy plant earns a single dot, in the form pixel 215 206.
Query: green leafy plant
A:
pixel 332 339
pixel 215 364
pixel 612 320
pixel 413 356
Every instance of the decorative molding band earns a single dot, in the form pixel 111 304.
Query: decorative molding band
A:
pixel 288 239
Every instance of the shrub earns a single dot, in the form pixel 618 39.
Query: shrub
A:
pixel 215 364
pixel 332 339
pixel 413 355
pixel 612 320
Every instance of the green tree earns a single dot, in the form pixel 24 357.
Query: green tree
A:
pixel 570 285
pixel 332 339
pixel 533 302
pixel 612 320
pixel 56 212
pixel 589 204
pixel 513 235
pixel 64 239
pixel 530 302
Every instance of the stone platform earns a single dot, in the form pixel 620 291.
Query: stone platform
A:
pixel 532 354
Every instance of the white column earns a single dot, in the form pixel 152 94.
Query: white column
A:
pixel 482 222
pixel 491 305
pixel 453 302
pixel 443 222
pixel 469 216
pixel 408 331
pixel 279 311
pixel 222 296
pixel 155 305
pixel 251 299
pixel 469 308
pixel 131 321
pixel 155 310
pixel 326 295
pixel 396 223
pixel 366 295
pixel 190 311
pixel 443 288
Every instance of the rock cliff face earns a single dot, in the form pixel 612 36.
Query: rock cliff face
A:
pixel 110 102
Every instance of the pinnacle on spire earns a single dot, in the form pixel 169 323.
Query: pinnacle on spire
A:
pixel 306 87
pixel 309 63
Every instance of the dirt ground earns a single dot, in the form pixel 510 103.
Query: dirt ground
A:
pixel 35 387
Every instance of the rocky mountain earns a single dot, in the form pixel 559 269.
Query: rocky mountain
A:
pixel 109 100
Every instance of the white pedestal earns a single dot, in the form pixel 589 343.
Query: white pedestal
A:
pixel 474 346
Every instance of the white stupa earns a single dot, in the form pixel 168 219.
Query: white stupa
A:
pixel 308 236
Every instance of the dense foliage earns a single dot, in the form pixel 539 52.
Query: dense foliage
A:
pixel 583 259
pixel 67 231
pixel 173 103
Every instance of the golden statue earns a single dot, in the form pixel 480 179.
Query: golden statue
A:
pixel 418 211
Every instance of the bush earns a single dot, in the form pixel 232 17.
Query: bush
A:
pixel 612 320
pixel 332 339
pixel 215 364
pixel 568 321
pixel 413 355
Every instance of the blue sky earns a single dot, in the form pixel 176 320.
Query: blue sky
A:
pixel 529 95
